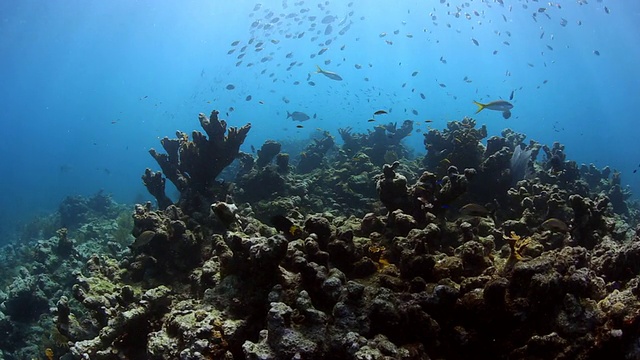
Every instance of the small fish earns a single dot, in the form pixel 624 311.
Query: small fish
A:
pixel 328 19
pixel 329 74
pixel 231 87
pixel 235 43
pixel 511 95
pixel 475 42
pixel 498 105
pixel 371 120
pixel 299 126
pixel 298 116
pixel 328 30
pixel 596 52
pixel 281 223
pixel 473 209
pixel 143 239
pixel 555 225
pixel 380 112
pixel 414 73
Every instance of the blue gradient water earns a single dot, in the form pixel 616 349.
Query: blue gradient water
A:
pixel 87 87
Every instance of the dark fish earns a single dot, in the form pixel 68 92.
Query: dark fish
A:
pixel 299 126
pixel 371 120
pixel 475 42
pixel 328 19
pixel 143 239
pixel 328 30
pixel 414 73
pixel 442 85
pixel 281 223
pixel 231 87
pixel 248 98
pixel 555 225
pixel 235 43
pixel 298 116
pixel 422 96
pixel 511 95
pixel 596 52
pixel 474 210
pixel 606 9
pixel 380 112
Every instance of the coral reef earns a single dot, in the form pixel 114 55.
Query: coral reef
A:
pixel 380 145
pixel 193 165
pixel 483 250
pixel 314 154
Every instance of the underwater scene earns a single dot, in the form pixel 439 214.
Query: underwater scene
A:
pixel 327 179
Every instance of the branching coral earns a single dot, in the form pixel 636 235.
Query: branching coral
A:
pixel 193 165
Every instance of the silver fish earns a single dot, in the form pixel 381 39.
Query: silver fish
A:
pixel 498 105
pixel 329 74
pixel 298 116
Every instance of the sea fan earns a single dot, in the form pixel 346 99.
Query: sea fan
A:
pixel 519 165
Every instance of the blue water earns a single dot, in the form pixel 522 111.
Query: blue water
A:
pixel 87 87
